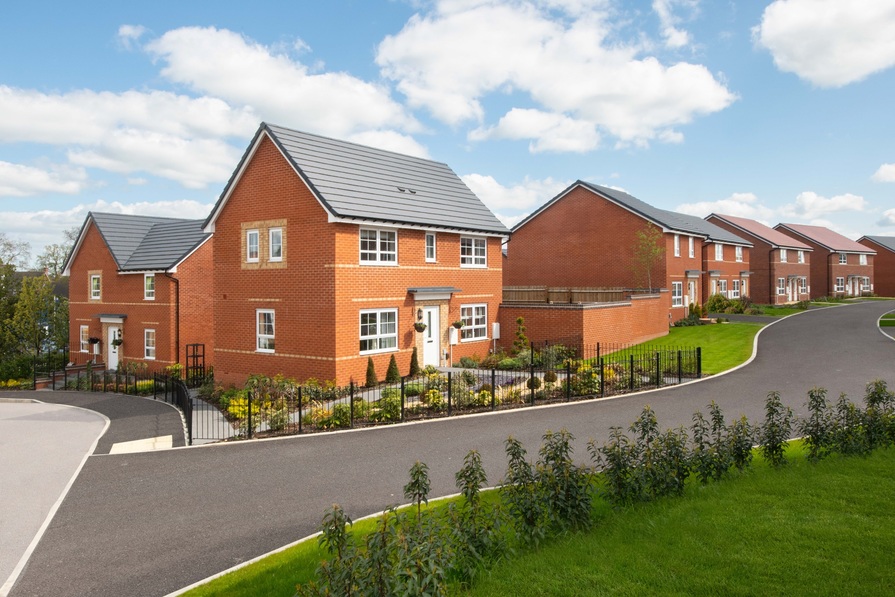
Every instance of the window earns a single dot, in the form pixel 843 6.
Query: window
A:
pixel 862 259
pixel 843 259
pixel 677 245
pixel 692 248
pixel 149 287
pixel 840 285
pixel 865 284
pixel 801 256
pixel 722 288
pixel 252 246
pixel 85 338
pixel 739 253
pixel 735 289
pixel 265 330
pixel 275 244
pixel 719 252
pixel 475 322
pixel 378 330
pixel 430 246
pixel 96 287
pixel 378 246
pixel 782 255
pixel 149 344
pixel 677 294
pixel 781 286
pixel 473 252
pixel 803 285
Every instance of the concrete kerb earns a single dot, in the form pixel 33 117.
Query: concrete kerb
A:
pixel 20 566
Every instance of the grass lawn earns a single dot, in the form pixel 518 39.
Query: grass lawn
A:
pixel 782 311
pixel 724 345
pixel 824 529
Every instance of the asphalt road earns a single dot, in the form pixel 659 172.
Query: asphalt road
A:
pixel 151 523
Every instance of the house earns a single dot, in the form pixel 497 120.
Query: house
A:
pixel 328 253
pixel 585 237
pixel 839 265
pixel 883 263
pixel 780 264
pixel 139 288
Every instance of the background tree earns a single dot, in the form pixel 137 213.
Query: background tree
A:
pixel 52 260
pixel 14 252
pixel 649 248
pixel 34 313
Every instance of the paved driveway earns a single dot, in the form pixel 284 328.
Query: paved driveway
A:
pixel 148 524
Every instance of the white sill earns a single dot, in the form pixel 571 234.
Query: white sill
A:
pixel 484 339
pixel 473 266
pixel 378 351
pixel 379 263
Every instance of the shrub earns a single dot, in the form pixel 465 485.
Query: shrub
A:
pixel 550 376
pixel 372 381
pixel 849 438
pixel 717 304
pixel 521 340
pixel 691 319
pixel 878 414
pixel 617 459
pixel 391 393
pixel 519 493
pixel 392 375
pixel 341 416
pixel 533 383
pixel 740 439
pixel 510 363
pixel 389 409
pixel 468 362
pixel 775 431
pixel 277 415
pixel 817 429
pixel 414 363
pixel 712 452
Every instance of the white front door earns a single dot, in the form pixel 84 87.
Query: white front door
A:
pixel 431 337
pixel 111 349
pixel 794 289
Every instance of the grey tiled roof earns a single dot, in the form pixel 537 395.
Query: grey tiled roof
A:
pixel 364 183
pixel 884 241
pixel 148 243
pixel 676 222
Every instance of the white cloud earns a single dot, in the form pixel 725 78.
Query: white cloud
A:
pixel 829 43
pixel 810 205
pixel 885 173
pixel 669 21
pixel 744 205
pixel 550 131
pixel 526 195
pixel 569 64
pixel 888 219
pixel 129 35
pixel 17 180
pixel 234 68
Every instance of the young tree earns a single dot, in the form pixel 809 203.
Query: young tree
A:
pixel 14 252
pixel 648 251
pixel 34 313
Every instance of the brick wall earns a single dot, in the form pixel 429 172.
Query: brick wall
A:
pixel 197 301
pixel 883 268
pixel 727 269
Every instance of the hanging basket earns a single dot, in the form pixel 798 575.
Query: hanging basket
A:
pixel 93 340
pixel 419 326
pixel 117 342
pixel 457 324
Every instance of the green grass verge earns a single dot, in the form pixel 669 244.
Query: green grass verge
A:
pixel 825 529
pixel 887 323
pixel 775 311
pixel 724 345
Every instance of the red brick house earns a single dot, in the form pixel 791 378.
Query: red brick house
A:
pixel 328 253
pixel 883 263
pixel 139 288
pixel 780 264
pixel 839 265
pixel 585 238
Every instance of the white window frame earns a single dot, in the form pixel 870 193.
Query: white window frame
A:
pixel 691 246
pixel 781 286
pixel 431 255
pixel 384 250
pixel 739 254
pixel 253 257
pixel 270 244
pixel 801 256
pixel 843 259
pixel 677 294
pixel 473 251
pixel 734 289
pixel 865 284
pixel 783 256
pixel 677 245
pixel 149 344
pixel 840 284
pixel 719 252
pixel 96 290
pixel 475 322
pixel 862 259
pixel 381 332
pixel 149 287
pixel 722 288
pixel 803 285
pixel 84 338
pixel 265 340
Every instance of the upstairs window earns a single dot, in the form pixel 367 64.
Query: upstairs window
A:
pixel 275 244
pixel 843 259
pixel 782 255
pixel 475 322
pixel 149 287
pixel 430 247
pixel 862 259
pixel 378 246
pixel 677 245
pixel 719 252
pixel 96 287
pixel 739 252
pixel 378 331
pixel 252 248
pixel 801 256
pixel 691 246
pixel 473 252
pixel 265 330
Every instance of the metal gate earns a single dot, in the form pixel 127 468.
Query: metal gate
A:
pixel 195 364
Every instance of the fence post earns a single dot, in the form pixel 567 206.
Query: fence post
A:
pixel 402 399
pixel 249 420
pixel 104 384
pixel 680 371
pixel 351 405
pixel 698 362
pixel 568 380
pixel 602 378
pixel 531 383
pixel 299 409
pixel 658 370
pixel 449 393
pixel 598 351
pixel 493 388
pixel 631 374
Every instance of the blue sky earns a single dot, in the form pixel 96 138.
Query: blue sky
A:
pixel 779 111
